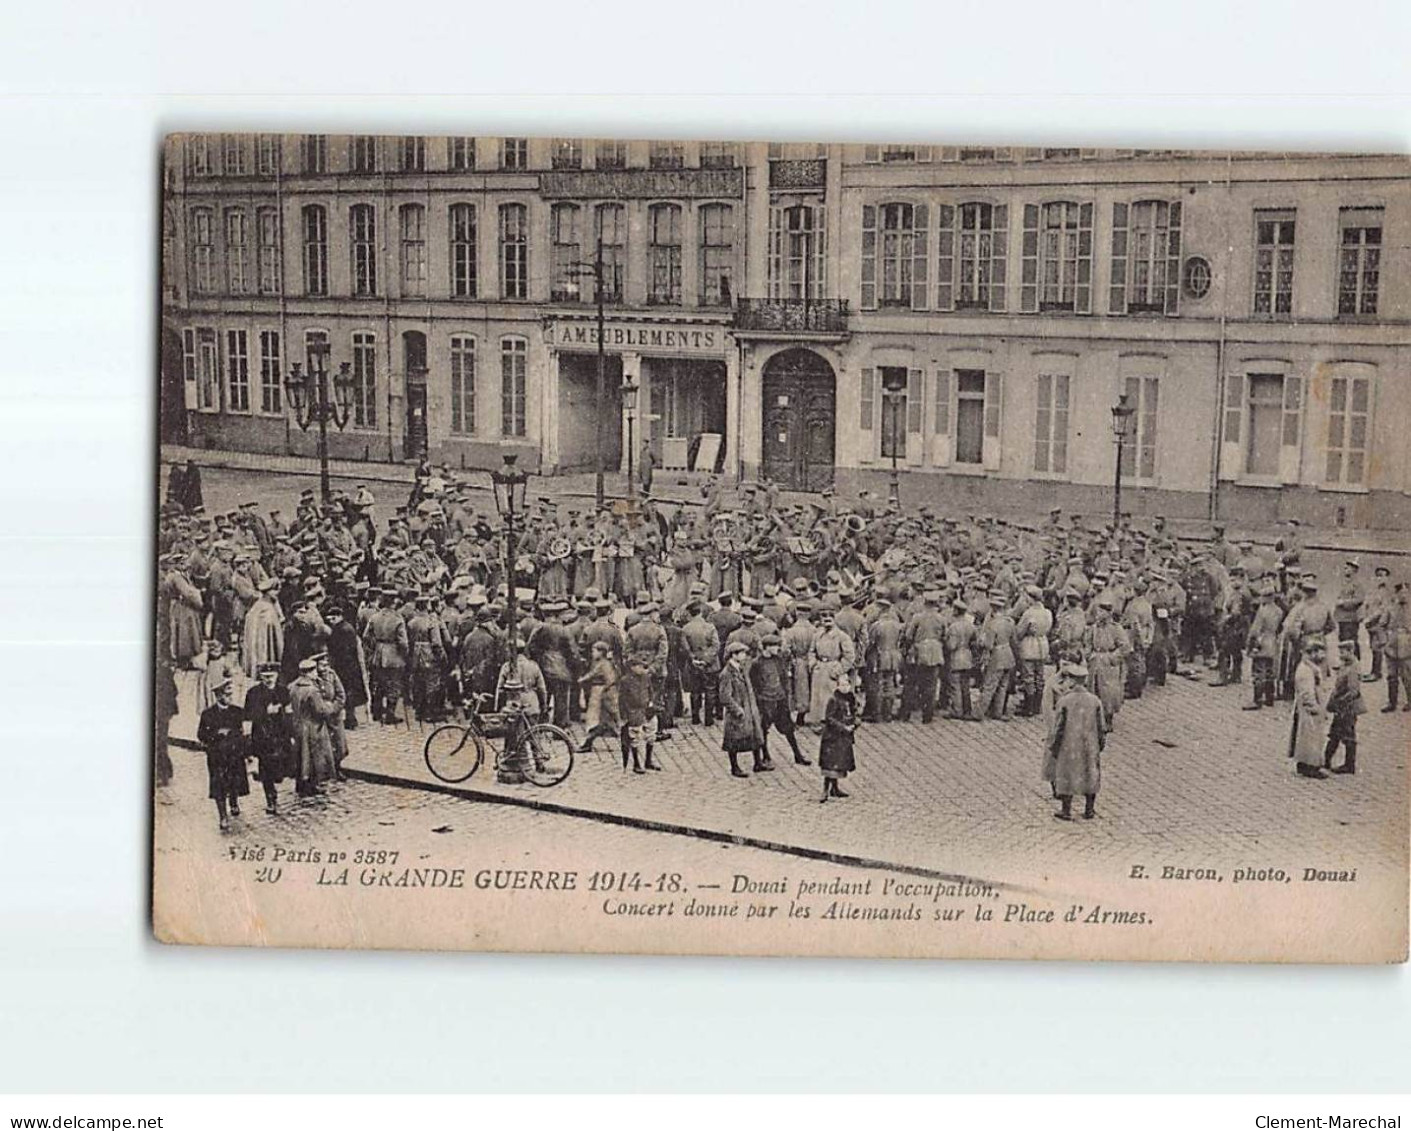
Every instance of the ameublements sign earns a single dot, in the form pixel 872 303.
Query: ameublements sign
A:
pixel 642 337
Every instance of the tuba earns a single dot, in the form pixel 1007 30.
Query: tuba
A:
pixel 559 549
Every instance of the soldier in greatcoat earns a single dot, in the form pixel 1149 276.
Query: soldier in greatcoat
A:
pixel 1076 735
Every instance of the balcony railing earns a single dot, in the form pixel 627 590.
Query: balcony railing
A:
pixel 786 315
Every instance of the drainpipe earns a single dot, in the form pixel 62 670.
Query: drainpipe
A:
pixel 1216 437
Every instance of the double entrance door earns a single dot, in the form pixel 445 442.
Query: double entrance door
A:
pixel 799 421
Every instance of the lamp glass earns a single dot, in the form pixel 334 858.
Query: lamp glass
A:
pixel 343 387
pixel 629 396
pixel 295 385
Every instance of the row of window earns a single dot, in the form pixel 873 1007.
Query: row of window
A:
pixel 922 154
pixel 715 245
pixel 262 155
pixel 240 155
pixel 970 252
pixel 219 375
pixel 1262 425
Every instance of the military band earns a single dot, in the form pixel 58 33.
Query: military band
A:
pixel 746 612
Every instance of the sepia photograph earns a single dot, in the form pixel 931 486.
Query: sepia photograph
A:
pixel 781 548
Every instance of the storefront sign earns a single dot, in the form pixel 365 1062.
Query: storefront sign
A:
pixel 638 337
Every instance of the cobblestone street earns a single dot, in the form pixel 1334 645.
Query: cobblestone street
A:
pixel 1188 779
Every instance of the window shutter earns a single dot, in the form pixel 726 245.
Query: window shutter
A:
pixel 188 369
pixel 950 153
pixel 1004 153
pixel 920 258
pixel 1173 260
pixel 818 276
pixel 869 257
pixel 1029 270
pixel 994 399
pixel 941 447
pixel 774 269
pixel 1060 424
pixel 999 257
pixel 945 257
pixel 923 153
pixel 867 406
pixel 1292 447
pixel 1083 298
pixel 1117 289
pixel 872 154
pixel 1043 422
pixel 915 401
pixel 1230 449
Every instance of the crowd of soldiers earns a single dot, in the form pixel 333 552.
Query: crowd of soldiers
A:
pixel 739 609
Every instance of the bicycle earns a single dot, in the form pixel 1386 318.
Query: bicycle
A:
pixel 454 751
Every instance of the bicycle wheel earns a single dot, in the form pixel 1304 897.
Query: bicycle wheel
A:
pixel 549 753
pixel 453 752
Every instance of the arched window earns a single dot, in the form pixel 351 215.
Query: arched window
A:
pixel 315 219
pixel 362 237
pixel 514 251
pixel 237 252
pixel 610 227
pixel 203 251
pixel 797 261
pixel 894 255
pixel 970 267
pixel 413 219
pixel 717 255
pixel 267 225
pixel 1057 257
pixel 1146 257
pixel 665 258
pixel 464 275
pixel 567 250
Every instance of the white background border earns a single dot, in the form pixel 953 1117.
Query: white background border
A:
pixel 89 1003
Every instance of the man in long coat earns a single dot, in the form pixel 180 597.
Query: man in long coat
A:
pixel 313 714
pixel 1076 735
pixel 1309 730
pixel 262 636
pixel 743 729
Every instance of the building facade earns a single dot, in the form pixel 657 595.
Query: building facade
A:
pixel 817 314
pixel 458 278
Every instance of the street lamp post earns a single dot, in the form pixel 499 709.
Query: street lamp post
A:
pixel 511 483
pixel 629 406
pixel 308 393
pixel 1122 413
pixel 894 485
pixel 594 268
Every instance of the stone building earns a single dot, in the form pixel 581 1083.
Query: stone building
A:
pixel 816 313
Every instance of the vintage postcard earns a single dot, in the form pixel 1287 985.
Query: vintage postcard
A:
pixel 702 547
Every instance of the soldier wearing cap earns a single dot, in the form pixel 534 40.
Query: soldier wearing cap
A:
pixel 701 642
pixel 1377 613
pixel 1347 610
pixel 221 734
pixel 387 647
pixel 997 660
pixel 1076 737
pixel 1398 649
pixel 743 732
pixel 1262 640
pixel 770 677
pixel 1308 731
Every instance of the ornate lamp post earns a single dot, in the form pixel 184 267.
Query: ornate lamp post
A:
pixel 511 482
pixel 594 269
pixel 308 393
pixel 1122 413
pixel 893 402
pixel 629 406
